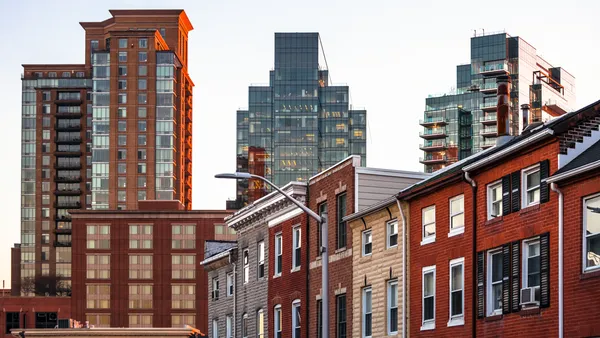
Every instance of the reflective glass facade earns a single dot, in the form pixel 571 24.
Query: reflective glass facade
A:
pixel 299 124
pixel 458 124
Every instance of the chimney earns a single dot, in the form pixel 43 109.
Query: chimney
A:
pixel 503 109
pixel 525 114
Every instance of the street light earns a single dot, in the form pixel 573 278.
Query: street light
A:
pixel 322 223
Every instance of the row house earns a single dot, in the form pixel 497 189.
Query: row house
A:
pixel 486 236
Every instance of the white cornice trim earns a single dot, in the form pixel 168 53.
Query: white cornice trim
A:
pixel 285 216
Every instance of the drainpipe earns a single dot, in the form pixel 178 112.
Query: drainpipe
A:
pixel 554 188
pixel 404 311
pixel 474 258
pixel 233 329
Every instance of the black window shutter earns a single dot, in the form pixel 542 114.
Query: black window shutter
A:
pixel 516 276
pixel 506 279
pixel 516 191
pixel 545 270
pixel 506 209
pixel 480 285
pixel 544 173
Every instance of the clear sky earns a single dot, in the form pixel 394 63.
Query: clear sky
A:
pixel 392 54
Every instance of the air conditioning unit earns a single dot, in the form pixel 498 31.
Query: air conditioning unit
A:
pixel 530 296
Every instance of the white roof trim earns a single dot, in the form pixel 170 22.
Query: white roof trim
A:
pixel 573 172
pixel 216 257
pixel 355 162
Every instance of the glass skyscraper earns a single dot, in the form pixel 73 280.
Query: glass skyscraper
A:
pixel 463 122
pixel 299 124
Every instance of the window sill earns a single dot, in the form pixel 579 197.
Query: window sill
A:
pixel 428 326
pixel 366 255
pixel 459 321
pixel 532 310
pixel 428 240
pixel 339 250
pixel 456 232
pixel 276 276
pixel 494 220
pixel 529 209
pixel 494 317
pixel 590 274
pixel 296 269
pixel 391 247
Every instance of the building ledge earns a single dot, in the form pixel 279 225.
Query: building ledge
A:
pixel 530 311
pixel 590 274
pixel 456 232
pixel 494 318
pixel 428 240
pixel 529 210
pixel 494 220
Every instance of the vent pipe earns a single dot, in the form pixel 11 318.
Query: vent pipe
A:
pixel 525 116
pixel 503 109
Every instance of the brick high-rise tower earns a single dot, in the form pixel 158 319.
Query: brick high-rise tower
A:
pixel 103 135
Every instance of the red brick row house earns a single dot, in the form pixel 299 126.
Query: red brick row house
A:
pixel 485 237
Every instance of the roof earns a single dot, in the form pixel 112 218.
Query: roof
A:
pixel 372 208
pixel 590 155
pixel 212 248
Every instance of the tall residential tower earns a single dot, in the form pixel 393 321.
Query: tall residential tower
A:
pixel 461 123
pixel 102 135
pixel 298 125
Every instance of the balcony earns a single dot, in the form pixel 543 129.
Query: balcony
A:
pixel 59 153
pixel 433 145
pixel 68 98
pixel 62 244
pixel 62 218
pixel 64 231
pixel 68 126
pixel 429 134
pixel 493 69
pixel 489 131
pixel 67 205
pixel 434 159
pixel 67 179
pixel 69 115
pixel 488 88
pixel 489 106
pixel 434 121
pixel 489 119
pixel 67 140
pixel 64 192
pixel 74 166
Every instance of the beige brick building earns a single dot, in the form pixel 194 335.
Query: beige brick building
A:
pixel 378 270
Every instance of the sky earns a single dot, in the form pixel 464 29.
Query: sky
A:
pixel 392 54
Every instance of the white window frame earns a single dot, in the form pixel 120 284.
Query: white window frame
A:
pixel 489 302
pixel 431 238
pixel 260 255
pixel 295 307
pixel 246 253
pixel 244 325
pixel 364 312
pixel 277 321
pixel 524 257
pixel 260 313
pixel 230 285
pixel 490 201
pixel 215 328
pixel 296 245
pixel 364 242
pixel 457 319
pixel 215 288
pixel 229 326
pixel 524 173
pixel 456 230
pixel 391 283
pixel 389 234
pixel 584 253
pixel 429 324
pixel 278 254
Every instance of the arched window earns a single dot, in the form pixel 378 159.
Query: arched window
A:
pixel 260 324
pixel 245 325
pixel 277 324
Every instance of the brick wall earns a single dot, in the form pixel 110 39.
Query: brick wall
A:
pixel 440 253
pixel 27 308
pixel 325 188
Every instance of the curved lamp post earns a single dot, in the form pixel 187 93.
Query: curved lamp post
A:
pixel 322 223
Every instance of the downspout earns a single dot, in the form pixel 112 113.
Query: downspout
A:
pixel 474 254
pixel 404 311
pixel 234 294
pixel 307 293
pixel 554 188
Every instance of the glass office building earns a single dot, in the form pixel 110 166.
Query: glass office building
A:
pixel 299 124
pixel 463 122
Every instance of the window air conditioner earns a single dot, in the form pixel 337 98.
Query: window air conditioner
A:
pixel 530 296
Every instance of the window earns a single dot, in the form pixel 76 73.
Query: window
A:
pixel 215 328
pixel 531 186
pixel 142 112
pixel 141 154
pixel 121 154
pixel 494 199
pixel 141 140
pixel 278 254
pixel 494 287
pixel 179 320
pixel 97 296
pixel 121 168
pixel 392 234
pixel 245 325
pixel 457 215
pixel 122 98
pixel 141 126
pixel 428 322
pixel 319 319
pixel 163 32
pixel 122 70
pixel 323 214
pixel 261 259
pixel 260 324
pixel 141 168
pixel 277 324
pixel 140 266
pixel 122 112
pixel 341 226
pixel 456 292
pixel 183 266
pixel 215 288
pixel 428 215
pixel 122 84
pixel 183 296
pixel 142 70
pixel 367 313
pixel 531 268
pixel 122 56
pixel 246 267
pixel 367 243
pixel 340 302
pixel 141 195
pixel 296 319
pixel 392 308
pixel 140 236
pixel 140 296
pixel 143 43
pixel 12 321
pixel 141 181
pixel 230 284
pixel 142 84
pixel 97 266
pixel 122 43
pixel 45 134
pixel 142 56
pixel 591 233
pixel 46 96
pixel 98 237
pixel 183 236
pixel 228 326
pixel 296 237
pixel 142 98
pixel 98 320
